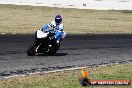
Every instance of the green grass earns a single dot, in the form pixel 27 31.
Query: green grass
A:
pixel 27 19
pixel 69 79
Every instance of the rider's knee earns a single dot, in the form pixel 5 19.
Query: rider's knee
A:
pixel 64 35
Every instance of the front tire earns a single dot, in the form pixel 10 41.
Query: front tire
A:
pixel 32 49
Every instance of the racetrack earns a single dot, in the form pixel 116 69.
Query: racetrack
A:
pixel 75 51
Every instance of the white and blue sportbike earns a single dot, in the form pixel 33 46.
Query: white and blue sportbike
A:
pixel 44 43
pixel 48 41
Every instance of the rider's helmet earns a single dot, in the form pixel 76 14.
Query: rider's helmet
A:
pixel 58 19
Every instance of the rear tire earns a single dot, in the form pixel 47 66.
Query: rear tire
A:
pixel 32 49
pixel 52 51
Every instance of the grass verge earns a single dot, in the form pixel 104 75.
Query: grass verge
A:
pixel 69 79
pixel 27 19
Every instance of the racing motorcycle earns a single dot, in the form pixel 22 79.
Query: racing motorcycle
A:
pixel 44 43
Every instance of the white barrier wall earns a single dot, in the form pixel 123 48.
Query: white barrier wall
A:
pixel 81 4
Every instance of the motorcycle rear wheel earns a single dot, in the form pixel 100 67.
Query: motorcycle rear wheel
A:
pixel 52 51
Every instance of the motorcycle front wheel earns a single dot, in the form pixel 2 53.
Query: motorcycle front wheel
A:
pixel 32 49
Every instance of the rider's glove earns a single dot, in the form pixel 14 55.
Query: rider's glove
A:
pixel 46 30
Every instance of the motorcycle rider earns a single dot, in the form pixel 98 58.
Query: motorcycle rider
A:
pixel 58 28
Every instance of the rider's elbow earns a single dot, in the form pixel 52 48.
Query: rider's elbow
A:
pixel 46 26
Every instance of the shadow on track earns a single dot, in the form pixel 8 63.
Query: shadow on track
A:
pixel 57 54
pixel 31 37
pixel 20 42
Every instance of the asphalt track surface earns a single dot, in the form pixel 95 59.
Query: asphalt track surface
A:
pixel 75 51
